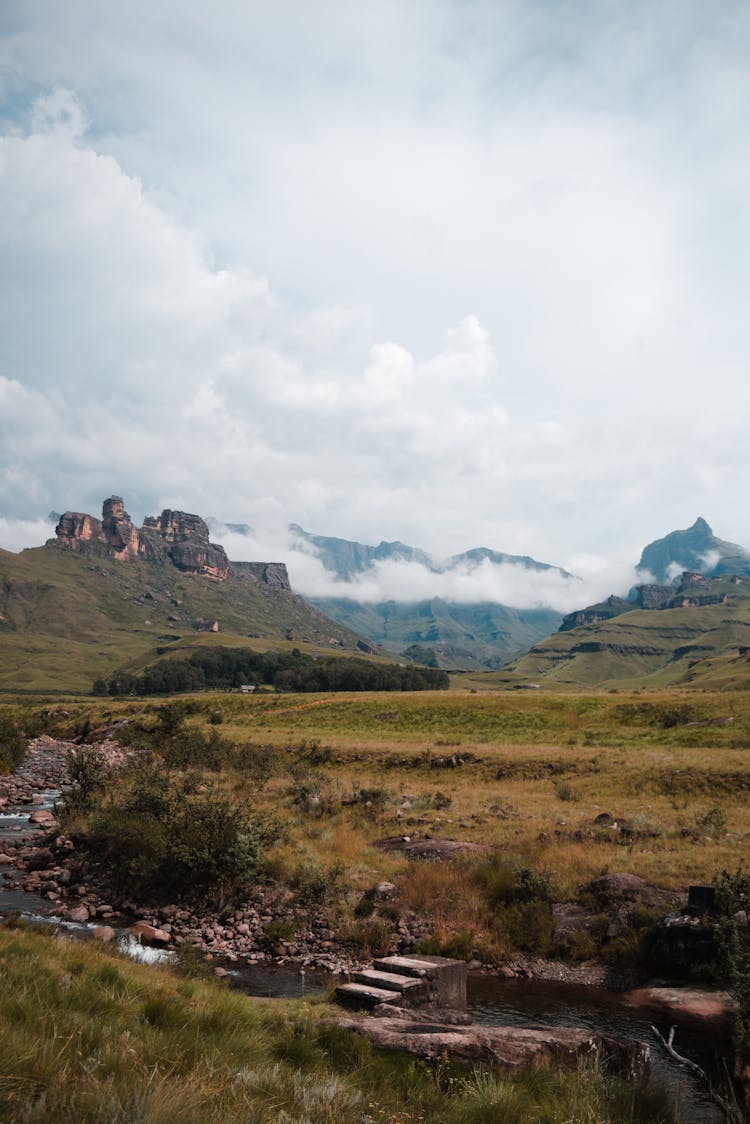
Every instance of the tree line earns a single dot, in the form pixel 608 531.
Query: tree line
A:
pixel 228 668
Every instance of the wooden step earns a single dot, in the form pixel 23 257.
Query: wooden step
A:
pixel 362 995
pixel 388 980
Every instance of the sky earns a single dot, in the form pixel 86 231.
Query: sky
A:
pixel 454 272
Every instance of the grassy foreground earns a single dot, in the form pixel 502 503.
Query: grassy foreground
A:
pixel 86 1036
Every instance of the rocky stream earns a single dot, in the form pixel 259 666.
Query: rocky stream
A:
pixel 42 879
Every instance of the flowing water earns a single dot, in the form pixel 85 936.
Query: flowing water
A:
pixel 491 1000
pixel 527 1002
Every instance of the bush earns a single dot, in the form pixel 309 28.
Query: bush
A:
pixel 86 769
pixel 521 899
pixel 372 936
pixel 279 930
pixel 156 838
pixel 258 762
pixel 12 745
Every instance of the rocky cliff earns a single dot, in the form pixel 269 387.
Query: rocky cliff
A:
pixel 696 549
pixel 174 537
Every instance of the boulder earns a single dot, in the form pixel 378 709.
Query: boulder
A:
pixel 103 933
pixel 78 913
pixel 510 1049
pixel 42 818
pixel 430 848
pixel 149 934
pixel 714 1011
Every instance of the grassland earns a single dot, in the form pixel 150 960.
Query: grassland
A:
pixel 86 1037
pixel 525 774
pixel 692 644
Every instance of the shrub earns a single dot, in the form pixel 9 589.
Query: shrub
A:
pixel 521 899
pixel 86 769
pixel 12 745
pixel 278 930
pixel 257 762
pixel 733 902
pixel 155 837
pixel 373 936
pixel 711 824
pixel 314 883
pixel 194 749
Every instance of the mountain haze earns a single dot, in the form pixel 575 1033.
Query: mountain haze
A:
pixel 696 548
pixel 694 627
pixel 473 635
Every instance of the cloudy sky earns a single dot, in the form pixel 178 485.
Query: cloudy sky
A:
pixel 456 272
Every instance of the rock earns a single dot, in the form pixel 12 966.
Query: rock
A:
pixel 149 934
pixel 78 913
pixel 42 859
pixel 430 848
pixel 510 1049
pixel 712 1010
pixel 103 933
pixel 173 536
pixel 5 860
pixel 42 818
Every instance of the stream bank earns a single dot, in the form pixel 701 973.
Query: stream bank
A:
pixel 40 881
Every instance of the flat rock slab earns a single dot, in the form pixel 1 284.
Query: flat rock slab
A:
pixel 430 848
pixel 510 1049
pixel 691 1005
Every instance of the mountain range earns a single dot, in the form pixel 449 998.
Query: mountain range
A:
pixel 690 626
pixel 487 635
pixel 105 596
pixel 433 630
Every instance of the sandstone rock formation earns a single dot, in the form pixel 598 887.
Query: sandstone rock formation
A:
pixel 174 537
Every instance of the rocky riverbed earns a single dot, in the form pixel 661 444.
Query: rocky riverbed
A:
pixel 36 858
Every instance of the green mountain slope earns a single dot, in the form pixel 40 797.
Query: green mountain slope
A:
pixel 67 619
pixel 696 637
pixel 471 637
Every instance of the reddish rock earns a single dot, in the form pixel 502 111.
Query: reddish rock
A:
pixel 103 933
pixel 42 818
pixel 78 913
pixel 510 1049
pixel 149 934
pixel 716 1009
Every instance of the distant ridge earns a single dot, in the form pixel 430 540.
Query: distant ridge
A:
pixel 444 633
pixel 104 596
pixel 696 549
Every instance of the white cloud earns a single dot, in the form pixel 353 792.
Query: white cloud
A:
pixel 454 274
pixel 17 534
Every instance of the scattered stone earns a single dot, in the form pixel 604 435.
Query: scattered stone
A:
pixel 42 818
pixel 103 933
pixel 149 934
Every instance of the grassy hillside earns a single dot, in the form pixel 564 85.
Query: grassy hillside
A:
pixel 66 619
pixel 692 644
pixel 460 636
